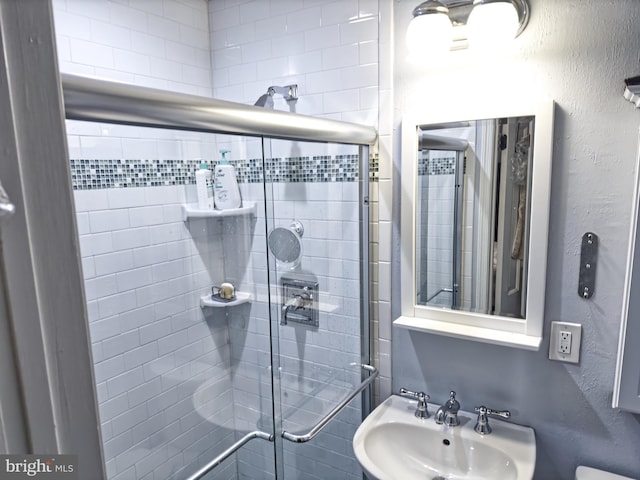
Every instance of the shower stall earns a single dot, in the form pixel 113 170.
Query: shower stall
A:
pixel 269 379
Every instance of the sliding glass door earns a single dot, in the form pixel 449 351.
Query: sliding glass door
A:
pixel 315 254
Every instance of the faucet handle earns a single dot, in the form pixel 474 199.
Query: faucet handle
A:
pixel 448 413
pixel 421 410
pixel 482 425
pixel 452 404
pixel 416 395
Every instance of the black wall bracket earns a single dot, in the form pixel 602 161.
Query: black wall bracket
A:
pixel 588 263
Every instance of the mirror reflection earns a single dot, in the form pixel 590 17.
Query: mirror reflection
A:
pixel 472 215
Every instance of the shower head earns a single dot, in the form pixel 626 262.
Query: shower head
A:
pixel 288 92
pixel 265 100
pixel 286 244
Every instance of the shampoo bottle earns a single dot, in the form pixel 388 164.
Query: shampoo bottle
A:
pixel 225 187
pixel 204 187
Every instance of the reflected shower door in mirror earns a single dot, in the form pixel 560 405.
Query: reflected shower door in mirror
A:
pixel 473 199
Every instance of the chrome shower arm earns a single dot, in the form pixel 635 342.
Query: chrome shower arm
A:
pixel 289 92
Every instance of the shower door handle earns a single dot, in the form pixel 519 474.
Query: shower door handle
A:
pixel 373 373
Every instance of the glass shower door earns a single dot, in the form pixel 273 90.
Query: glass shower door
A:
pixel 179 376
pixel 315 252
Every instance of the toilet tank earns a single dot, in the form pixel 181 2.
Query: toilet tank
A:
pixel 586 473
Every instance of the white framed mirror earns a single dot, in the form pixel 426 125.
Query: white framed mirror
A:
pixel 475 215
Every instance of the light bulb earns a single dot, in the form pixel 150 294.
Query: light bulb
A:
pixel 492 24
pixel 429 35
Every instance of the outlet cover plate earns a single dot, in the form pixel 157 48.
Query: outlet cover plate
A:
pixel 555 352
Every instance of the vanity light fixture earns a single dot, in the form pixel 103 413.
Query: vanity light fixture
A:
pixel 430 31
pixel 439 26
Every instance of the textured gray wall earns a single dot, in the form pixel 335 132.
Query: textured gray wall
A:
pixel 577 53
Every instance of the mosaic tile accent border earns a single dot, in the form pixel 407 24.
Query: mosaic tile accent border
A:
pixel 89 174
pixel 374 167
pixel 436 166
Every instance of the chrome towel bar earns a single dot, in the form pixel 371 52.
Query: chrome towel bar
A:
pixel 228 452
pixel 373 373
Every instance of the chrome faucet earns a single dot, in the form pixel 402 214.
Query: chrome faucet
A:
pixel 482 425
pixel 448 413
pixel 421 410
pixel 294 303
pixel 297 301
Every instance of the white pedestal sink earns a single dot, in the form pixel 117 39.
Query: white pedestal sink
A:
pixel 393 444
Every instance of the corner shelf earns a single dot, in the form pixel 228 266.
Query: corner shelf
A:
pixel 241 297
pixel 192 211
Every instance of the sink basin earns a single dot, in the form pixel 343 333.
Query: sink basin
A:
pixel 392 443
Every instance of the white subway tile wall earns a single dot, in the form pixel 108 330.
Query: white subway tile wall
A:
pixel 437 235
pixel 160 44
pixel 153 350
pixel 329 48
pixel 381 245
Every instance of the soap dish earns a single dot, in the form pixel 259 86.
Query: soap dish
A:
pixel 213 301
pixel 217 298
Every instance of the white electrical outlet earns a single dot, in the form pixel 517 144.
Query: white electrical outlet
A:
pixel 565 342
